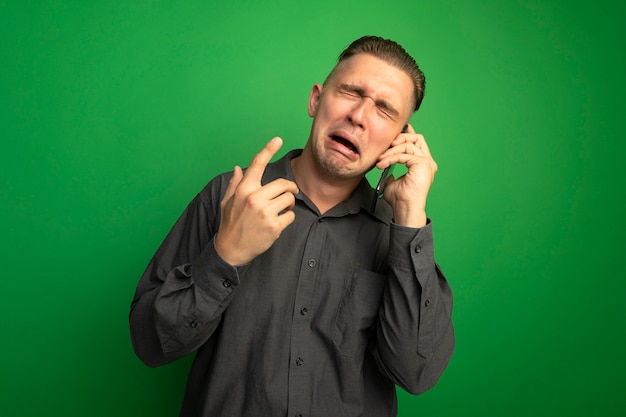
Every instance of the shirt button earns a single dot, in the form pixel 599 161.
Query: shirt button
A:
pixel 193 324
pixel 303 311
pixel 312 262
pixel 427 302
pixel 226 283
pixel 299 361
pixel 418 249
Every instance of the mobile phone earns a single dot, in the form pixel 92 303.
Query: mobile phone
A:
pixel 378 191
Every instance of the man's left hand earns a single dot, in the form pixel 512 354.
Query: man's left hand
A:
pixel 407 194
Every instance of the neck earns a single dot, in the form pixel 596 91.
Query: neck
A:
pixel 324 190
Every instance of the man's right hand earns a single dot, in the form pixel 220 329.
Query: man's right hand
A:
pixel 254 215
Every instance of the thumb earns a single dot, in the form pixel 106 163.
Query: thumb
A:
pixel 233 183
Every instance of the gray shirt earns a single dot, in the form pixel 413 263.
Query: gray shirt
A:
pixel 341 308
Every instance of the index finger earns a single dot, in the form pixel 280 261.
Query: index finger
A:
pixel 421 141
pixel 402 136
pixel 260 161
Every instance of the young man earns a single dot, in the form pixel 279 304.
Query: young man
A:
pixel 298 298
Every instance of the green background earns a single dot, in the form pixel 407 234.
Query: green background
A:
pixel 115 113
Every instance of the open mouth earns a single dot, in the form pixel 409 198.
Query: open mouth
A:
pixel 345 143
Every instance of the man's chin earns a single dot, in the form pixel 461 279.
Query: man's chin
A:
pixel 342 170
pixel 336 165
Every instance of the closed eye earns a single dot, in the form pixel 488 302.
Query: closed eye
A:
pixel 384 106
pixel 389 111
pixel 350 91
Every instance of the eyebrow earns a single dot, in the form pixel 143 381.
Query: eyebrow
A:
pixel 384 104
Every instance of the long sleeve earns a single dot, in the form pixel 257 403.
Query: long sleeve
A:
pixel 185 287
pixel 415 336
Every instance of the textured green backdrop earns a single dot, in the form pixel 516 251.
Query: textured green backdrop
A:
pixel 115 113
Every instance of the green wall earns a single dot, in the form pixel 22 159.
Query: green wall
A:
pixel 115 113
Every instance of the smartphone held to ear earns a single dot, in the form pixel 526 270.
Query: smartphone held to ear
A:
pixel 378 191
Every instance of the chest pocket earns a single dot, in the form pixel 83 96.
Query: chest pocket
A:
pixel 358 310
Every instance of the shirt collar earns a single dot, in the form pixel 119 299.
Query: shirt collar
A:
pixel 360 200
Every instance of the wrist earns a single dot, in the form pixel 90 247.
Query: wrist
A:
pixel 229 256
pixel 409 215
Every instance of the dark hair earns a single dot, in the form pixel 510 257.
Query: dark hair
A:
pixel 392 53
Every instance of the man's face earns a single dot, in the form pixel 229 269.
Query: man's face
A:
pixel 361 108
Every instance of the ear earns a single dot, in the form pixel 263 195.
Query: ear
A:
pixel 314 99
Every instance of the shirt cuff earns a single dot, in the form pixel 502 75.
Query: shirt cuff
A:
pixel 411 248
pixel 213 275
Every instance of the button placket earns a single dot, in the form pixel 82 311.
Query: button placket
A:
pixel 299 381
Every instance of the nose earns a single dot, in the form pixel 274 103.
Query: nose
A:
pixel 359 113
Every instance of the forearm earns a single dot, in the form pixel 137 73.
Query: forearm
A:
pixel 415 337
pixel 178 316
